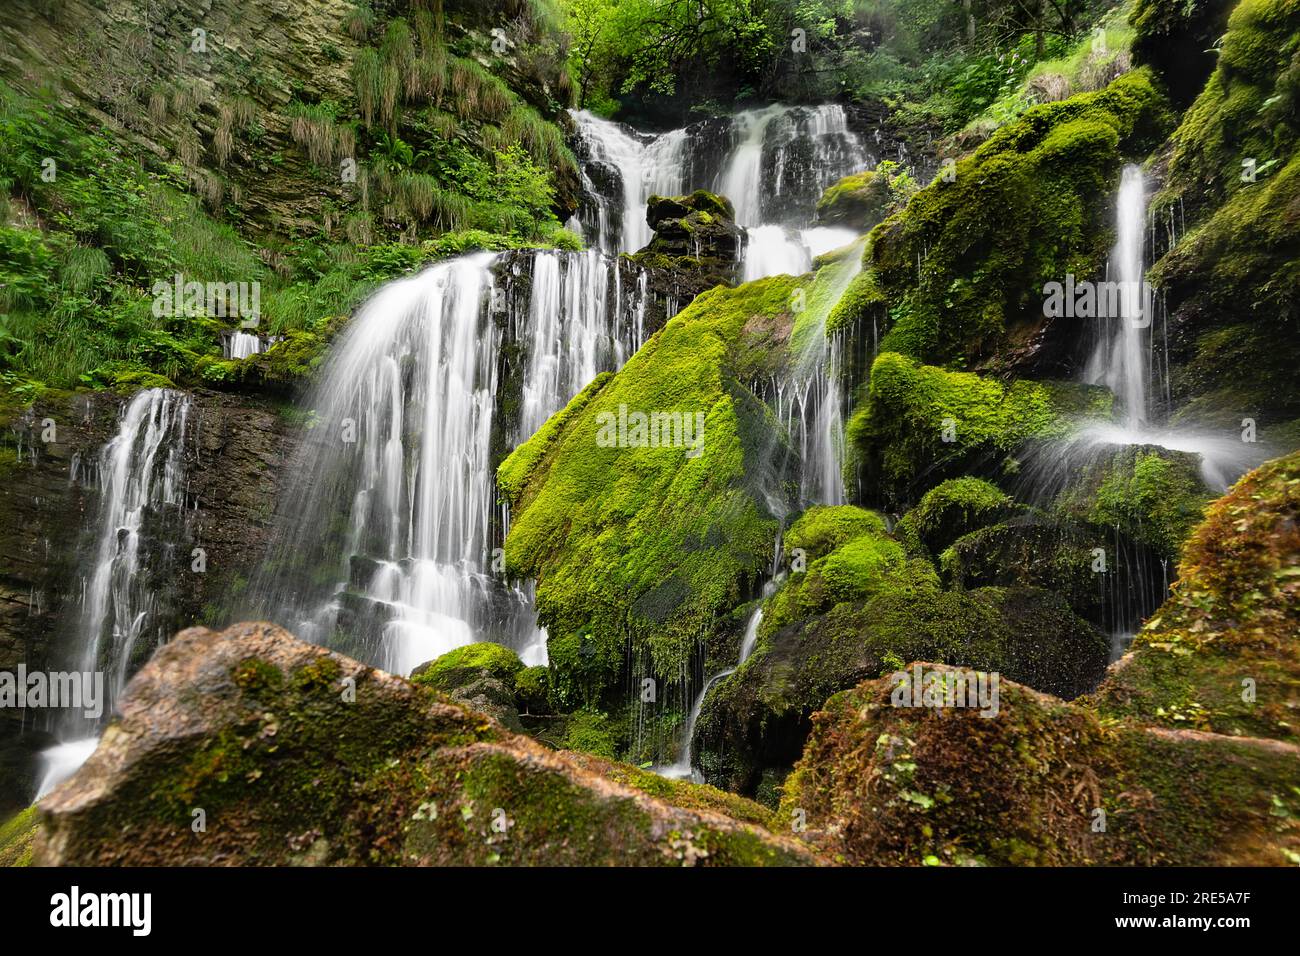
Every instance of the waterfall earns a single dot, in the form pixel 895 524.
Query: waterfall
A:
pixel 240 345
pixel 142 483
pixel 683 768
pixel 407 424
pixel 772 163
pixel 1122 362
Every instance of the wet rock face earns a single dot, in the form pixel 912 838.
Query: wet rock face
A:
pixel 49 510
pixel 696 246
pixel 290 754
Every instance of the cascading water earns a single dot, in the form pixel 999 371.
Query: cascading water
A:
pixel 403 450
pixel 142 485
pixel 772 163
pixel 1125 357
pixel 1122 361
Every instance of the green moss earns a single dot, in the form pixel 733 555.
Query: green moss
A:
pixel 861 200
pixel 1232 619
pixel 917 421
pixel 1246 110
pixel 1154 498
pixel 16 836
pixel 886 785
pixel 964 264
pixel 588 731
pixel 532 689
pixel 1177 40
pixel 949 510
pixel 650 544
pixel 822 529
pixel 453 668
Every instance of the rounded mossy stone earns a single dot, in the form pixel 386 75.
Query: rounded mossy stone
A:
pixel 923 423
pixel 883 783
pixel 641 546
pixel 823 528
pixel 455 668
pixel 532 686
pixel 951 509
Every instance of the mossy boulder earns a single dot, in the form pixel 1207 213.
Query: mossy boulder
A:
pixel 861 200
pixel 1222 654
pixel 960 271
pixel 296 755
pixel 950 510
pixel 757 719
pixel 1185 755
pixel 1150 494
pixel 17 834
pixel 481 676
pixel 1039 783
pixel 639 547
pixel 1233 187
pixel 918 424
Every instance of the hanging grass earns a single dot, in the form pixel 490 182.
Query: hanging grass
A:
pixel 543 141
pixel 476 93
pixel 444 124
pixel 398 50
pixel 367 81
pixel 451 210
pixel 80 267
pixel 417 192
pixel 223 139
pixel 313 127
pixel 359 22
pixel 427 80
pixel 158 106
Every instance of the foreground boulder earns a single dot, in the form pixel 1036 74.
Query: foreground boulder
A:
pixel 1042 782
pixel 250 747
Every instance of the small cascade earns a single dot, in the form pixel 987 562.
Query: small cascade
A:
pixel 683 768
pixel 1122 360
pixel 142 499
pixel 772 163
pixel 240 345
pixel 403 451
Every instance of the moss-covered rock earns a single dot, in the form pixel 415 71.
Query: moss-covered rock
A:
pixel 480 676
pixel 950 510
pixel 643 546
pixel 251 747
pixel 1233 185
pixel 757 719
pixel 1222 654
pixel 918 424
pixel 17 834
pixel 1152 495
pixel 861 200
pixel 696 242
pixel 962 268
pixel 451 669
pixel 1039 783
